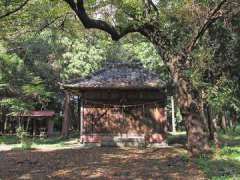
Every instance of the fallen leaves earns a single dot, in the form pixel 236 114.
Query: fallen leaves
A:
pixel 98 163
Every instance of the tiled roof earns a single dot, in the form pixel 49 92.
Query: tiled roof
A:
pixel 117 75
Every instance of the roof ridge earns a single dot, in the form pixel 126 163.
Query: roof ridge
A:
pixel 113 64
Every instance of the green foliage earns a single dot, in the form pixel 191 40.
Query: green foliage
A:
pixel 38 92
pixel 8 140
pixel 11 69
pixel 83 56
pixel 21 89
pixel 223 95
pixel 214 68
pixel 133 7
pixel 134 48
pixel 16 105
pixel 32 18
pixel 26 140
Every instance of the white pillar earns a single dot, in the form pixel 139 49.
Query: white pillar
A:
pixel 173 115
pixel 81 120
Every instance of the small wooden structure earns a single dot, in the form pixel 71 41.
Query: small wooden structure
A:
pixel 35 121
pixel 121 103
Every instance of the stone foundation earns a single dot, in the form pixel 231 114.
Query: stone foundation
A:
pixel 124 140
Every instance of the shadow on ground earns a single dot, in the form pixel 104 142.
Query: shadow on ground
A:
pixel 98 163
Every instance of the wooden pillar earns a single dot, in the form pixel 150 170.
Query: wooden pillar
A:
pixel 65 123
pixel 234 120
pixel 82 120
pixel 50 127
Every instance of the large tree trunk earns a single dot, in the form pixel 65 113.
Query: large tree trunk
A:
pixel 224 122
pixel 212 126
pixel 190 103
pixel 210 122
pixel 234 120
pixel 229 120
pixel 2 120
pixel 215 134
pixel 197 133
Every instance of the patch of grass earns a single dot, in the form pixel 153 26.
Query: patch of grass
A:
pixel 223 164
pixel 49 141
pixel 230 138
pixel 230 152
pixel 9 139
pixel 53 142
pixel 219 168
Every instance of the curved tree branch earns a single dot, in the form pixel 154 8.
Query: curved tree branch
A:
pixel 149 6
pixel 48 23
pixel 116 33
pixel 14 10
pixel 148 29
pixel 154 6
pixel 211 18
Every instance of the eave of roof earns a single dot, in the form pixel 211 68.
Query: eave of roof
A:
pixel 37 114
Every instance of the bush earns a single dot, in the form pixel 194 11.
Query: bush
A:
pixel 25 139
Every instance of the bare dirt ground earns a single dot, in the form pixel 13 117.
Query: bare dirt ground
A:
pixel 98 163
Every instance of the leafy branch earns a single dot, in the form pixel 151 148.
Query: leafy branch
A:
pixel 14 10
